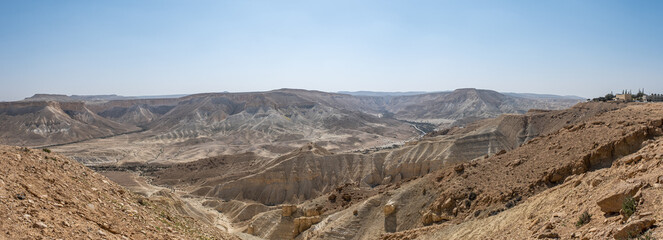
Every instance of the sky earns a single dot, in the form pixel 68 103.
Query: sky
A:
pixel 137 48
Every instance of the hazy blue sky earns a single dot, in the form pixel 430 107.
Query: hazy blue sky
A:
pixel 583 48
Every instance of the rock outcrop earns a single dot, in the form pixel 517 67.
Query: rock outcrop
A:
pixel 633 229
pixel 612 201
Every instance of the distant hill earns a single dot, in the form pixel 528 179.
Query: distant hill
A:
pixel 542 96
pixel 74 98
pixel 381 94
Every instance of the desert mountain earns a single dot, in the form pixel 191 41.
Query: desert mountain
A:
pixel 466 105
pixel 267 123
pixel 46 195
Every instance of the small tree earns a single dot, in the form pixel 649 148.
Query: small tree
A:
pixel 609 97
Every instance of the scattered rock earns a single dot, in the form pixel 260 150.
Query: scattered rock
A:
pixel 459 168
pixel 448 204
pixel 40 225
pixel 634 228
pixel 595 182
pixel 332 198
pixel 472 196
pixel 431 217
pixel 346 197
pixel 556 177
pixel 517 162
pixel 632 159
pixel 548 235
pixel 20 196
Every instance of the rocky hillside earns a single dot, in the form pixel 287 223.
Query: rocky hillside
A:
pixel 46 123
pixel 50 196
pixel 311 171
pixel 543 189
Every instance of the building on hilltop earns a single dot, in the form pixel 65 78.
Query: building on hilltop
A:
pixel 624 97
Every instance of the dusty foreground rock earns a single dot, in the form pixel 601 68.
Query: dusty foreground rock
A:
pixel 48 196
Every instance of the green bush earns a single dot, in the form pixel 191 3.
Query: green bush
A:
pixel 46 150
pixel 628 206
pixel 584 218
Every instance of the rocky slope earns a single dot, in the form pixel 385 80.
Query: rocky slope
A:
pixel 46 195
pixel 540 189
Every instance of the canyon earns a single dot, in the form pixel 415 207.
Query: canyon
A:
pixel 297 164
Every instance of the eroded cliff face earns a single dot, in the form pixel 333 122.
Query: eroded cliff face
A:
pixel 312 171
pixel 49 123
pixel 487 186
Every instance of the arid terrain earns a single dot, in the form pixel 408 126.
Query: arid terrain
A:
pixel 295 164
pixel 93 130
pixel 49 196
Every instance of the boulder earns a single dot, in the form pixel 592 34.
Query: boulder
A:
pixel 288 210
pixel 309 212
pixel 448 204
pixel 459 168
pixel 431 217
pixel 612 201
pixel 303 223
pixel 332 198
pixel 548 235
pixel 634 228
pixel 389 208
